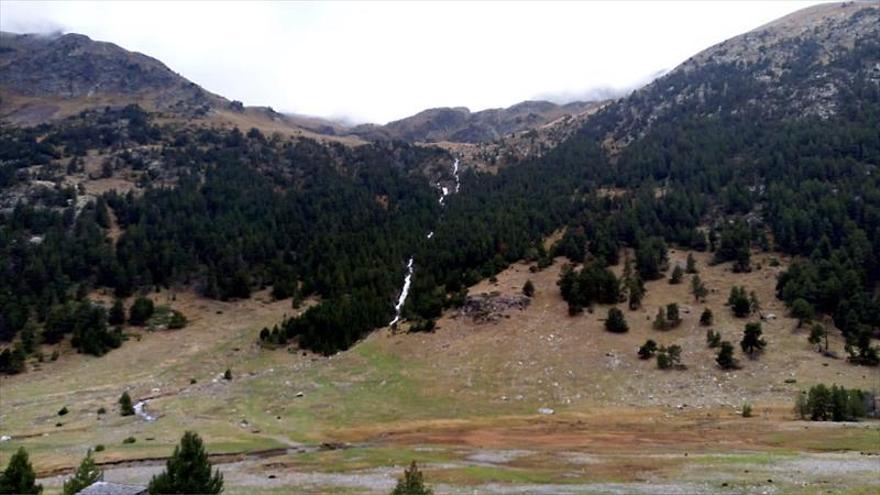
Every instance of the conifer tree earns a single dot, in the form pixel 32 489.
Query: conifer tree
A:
pixel 125 407
pixel 412 483
pixel 616 322
pixel 87 473
pixel 117 313
pixel 19 476
pixel 752 341
pixel 188 471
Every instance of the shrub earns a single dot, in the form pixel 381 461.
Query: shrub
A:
pixel 528 289
pixel 99 448
pixel 746 410
pixel 63 411
pixel 177 320
pixel 129 440
pixel 102 410
pixel 227 375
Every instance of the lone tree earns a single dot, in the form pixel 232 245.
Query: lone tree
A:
pixel 677 275
pixel 19 476
pixel 739 302
pixel 698 289
pixel 125 407
pixel 752 341
pixel 188 470
pixel 691 264
pixel 227 375
pixel 87 473
pixel 725 358
pixel 616 322
pixel 660 320
pixel 528 289
pixel 412 483
pixel 673 318
pixel 713 338
pixel 706 318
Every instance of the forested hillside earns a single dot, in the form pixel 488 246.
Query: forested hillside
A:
pixel 726 154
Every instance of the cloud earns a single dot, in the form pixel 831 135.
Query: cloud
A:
pixel 381 61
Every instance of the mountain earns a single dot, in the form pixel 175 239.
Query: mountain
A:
pixel 49 77
pixel 807 64
pixel 460 125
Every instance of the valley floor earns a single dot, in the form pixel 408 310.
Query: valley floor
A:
pixel 463 401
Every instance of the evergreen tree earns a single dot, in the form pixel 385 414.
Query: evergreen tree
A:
pixel 87 473
pixel 528 289
pixel 19 476
pixel 818 333
pixel 673 318
pixel 739 302
pixel 660 322
pixel 227 375
pixel 752 341
pixel 648 349
pixel 412 483
pixel 698 289
pixel 677 275
pixel 706 318
pixel 117 313
pixel 188 471
pixel 125 406
pixel 141 311
pixel 713 338
pixel 636 292
pixel 691 264
pixel 616 322
pixel 725 358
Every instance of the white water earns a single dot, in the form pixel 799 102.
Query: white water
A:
pixel 403 292
pixel 407 280
pixel 139 410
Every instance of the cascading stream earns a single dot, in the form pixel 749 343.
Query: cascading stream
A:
pixel 407 280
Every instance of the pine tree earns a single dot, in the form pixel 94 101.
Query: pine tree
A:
pixel 117 313
pixel 691 264
pixel 125 407
pixel 528 289
pixel 412 483
pixel 227 375
pixel 141 311
pixel 725 356
pixel 87 473
pixel 677 275
pixel 616 322
pixel 672 316
pixel 660 321
pixel 698 289
pixel 19 476
pixel 706 318
pixel 648 349
pixel 817 334
pixel 752 341
pixel 188 470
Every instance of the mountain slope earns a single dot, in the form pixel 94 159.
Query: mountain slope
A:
pixel 810 63
pixel 460 125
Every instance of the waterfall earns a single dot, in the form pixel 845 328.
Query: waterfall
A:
pixel 407 280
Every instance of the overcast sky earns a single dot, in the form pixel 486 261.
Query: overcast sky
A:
pixel 383 61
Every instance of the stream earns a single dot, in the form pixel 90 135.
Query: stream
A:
pixel 139 411
pixel 407 279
